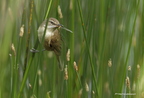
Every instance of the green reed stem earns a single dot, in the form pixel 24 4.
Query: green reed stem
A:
pixel 48 9
pixel 31 58
pixel 28 38
pixel 14 77
pixel 84 32
pixel 129 48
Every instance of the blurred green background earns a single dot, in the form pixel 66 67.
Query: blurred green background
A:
pixel 107 45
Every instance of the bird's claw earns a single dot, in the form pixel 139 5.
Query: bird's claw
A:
pixel 34 50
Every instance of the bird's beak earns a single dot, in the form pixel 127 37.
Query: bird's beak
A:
pixel 61 26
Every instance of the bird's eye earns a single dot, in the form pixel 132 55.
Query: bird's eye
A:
pixel 51 22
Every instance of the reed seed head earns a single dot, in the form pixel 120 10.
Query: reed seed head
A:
pixel 110 62
pixel 66 73
pixel 13 49
pixel 128 82
pixel 75 66
pixel 21 31
pixel 68 55
pixel 60 12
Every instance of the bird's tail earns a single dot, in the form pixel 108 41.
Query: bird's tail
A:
pixel 59 63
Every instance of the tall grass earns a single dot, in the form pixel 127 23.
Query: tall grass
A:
pixel 106 49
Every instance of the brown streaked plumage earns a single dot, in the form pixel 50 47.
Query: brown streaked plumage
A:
pixel 52 39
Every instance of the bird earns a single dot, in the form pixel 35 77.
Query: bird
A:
pixel 52 39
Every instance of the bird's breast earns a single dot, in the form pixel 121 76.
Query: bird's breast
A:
pixel 48 33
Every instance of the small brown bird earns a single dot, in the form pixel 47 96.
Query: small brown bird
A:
pixel 52 39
